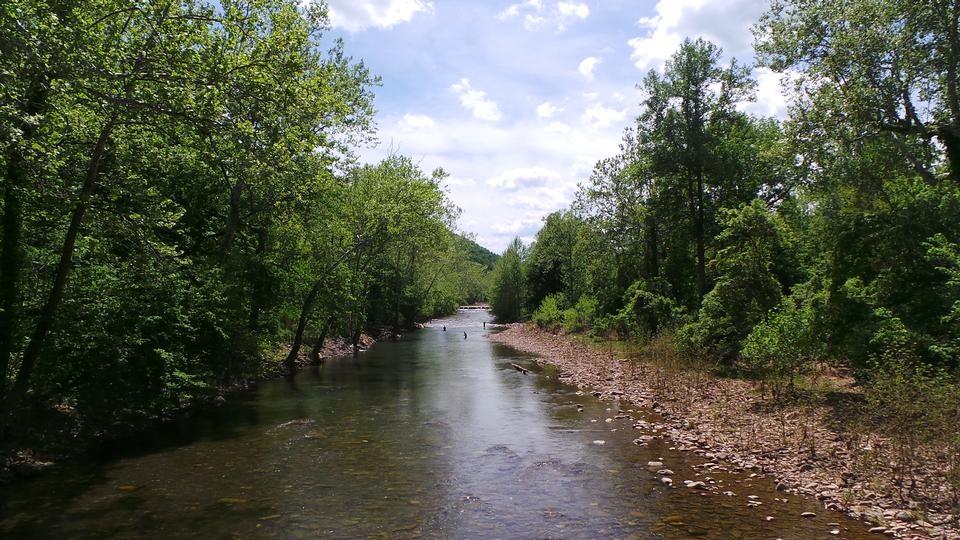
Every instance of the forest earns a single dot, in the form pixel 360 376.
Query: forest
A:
pixel 182 209
pixel 775 249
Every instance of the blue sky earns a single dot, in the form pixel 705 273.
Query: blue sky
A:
pixel 517 100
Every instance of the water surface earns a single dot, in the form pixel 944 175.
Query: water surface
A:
pixel 434 436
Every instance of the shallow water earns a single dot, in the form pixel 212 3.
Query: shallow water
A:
pixel 432 436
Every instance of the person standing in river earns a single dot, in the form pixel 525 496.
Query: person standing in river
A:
pixel 464 335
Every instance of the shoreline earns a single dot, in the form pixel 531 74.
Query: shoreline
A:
pixel 727 421
pixel 28 460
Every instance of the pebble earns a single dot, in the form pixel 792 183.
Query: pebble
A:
pixel 808 515
pixel 666 480
pixel 599 442
pixel 654 464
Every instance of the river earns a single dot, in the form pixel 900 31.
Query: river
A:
pixel 433 436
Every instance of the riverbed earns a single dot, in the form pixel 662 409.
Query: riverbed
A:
pixel 436 435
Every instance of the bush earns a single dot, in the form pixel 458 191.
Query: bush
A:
pixel 580 317
pixel 549 316
pixel 644 312
pixel 782 346
pixel 916 406
pixel 747 286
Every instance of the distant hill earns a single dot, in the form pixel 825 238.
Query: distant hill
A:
pixel 478 253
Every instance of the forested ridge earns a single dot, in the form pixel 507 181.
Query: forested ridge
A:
pixel 777 249
pixel 182 210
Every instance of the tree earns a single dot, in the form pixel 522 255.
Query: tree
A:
pixel 684 110
pixel 891 68
pixel 507 297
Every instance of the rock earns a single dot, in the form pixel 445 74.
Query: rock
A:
pixel 665 472
pixel 808 515
pixel 878 530
pixel 654 464
pixel 599 442
pixel 694 485
pixel 666 480
pixel 834 531
pixel 903 515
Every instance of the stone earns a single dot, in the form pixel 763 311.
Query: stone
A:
pixel 654 464
pixel 903 515
pixel 808 515
pixel 666 480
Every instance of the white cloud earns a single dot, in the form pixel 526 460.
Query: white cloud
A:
pixel 536 14
pixel 547 110
pixel 591 96
pixel 587 65
pixel 476 101
pixel 771 98
pixel 598 117
pixel 676 19
pixel 455 181
pixel 355 15
pixel 525 177
pixel 573 10
pixel 413 122
pixel 558 127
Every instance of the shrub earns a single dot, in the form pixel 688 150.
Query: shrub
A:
pixel 549 316
pixel 580 317
pixel 782 346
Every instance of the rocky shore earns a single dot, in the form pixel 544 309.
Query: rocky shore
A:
pixel 804 448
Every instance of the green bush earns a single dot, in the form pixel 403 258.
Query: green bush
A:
pixel 747 286
pixel 549 316
pixel 581 316
pixel 644 313
pixel 782 346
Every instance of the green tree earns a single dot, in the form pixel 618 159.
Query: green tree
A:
pixel 507 296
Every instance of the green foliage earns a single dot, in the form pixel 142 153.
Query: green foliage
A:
pixel 180 201
pixel 783 346
pixel 507 296
pixel 580 317
pixel 746 282
pixel 645 311
pixel 549 315
pixel 478 254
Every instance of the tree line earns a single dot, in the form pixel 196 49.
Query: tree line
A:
pixel 181 208
pixel 768 245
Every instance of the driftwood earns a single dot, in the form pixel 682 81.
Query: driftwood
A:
pixel 521 369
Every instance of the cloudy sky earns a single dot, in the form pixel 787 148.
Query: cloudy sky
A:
pixel 517 99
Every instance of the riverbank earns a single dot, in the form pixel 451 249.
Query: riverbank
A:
pixel 805 448
pixel 59 434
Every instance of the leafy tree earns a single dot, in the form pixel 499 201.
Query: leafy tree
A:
pixel 507 296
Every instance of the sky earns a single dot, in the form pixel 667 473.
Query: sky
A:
pixel 518 99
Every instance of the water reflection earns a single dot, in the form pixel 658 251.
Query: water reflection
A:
pixel 432 436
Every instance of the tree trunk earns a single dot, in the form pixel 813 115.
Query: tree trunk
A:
pixel 318 344
pixel 290 363
pixel 11 254
pixel 701 242
pixel 233 218
pixel 49 311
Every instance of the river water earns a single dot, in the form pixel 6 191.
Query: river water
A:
pixel 433 436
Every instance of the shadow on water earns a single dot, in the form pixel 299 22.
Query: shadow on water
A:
pixel 433 436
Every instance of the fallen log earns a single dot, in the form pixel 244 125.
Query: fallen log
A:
pixel 521 369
